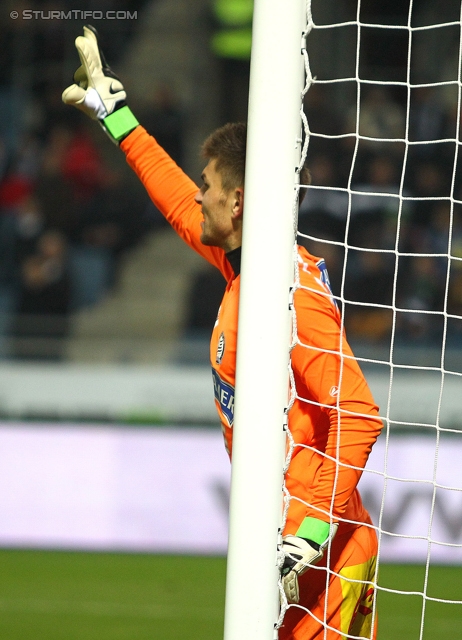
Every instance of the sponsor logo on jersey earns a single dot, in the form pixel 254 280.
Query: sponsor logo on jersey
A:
pixel 220 348
pixel 333 392
pixel 224 395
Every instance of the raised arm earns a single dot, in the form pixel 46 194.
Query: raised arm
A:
pixel 99 93
pixel 172 191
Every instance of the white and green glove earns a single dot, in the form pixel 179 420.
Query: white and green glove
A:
pixel 302 551
pixel 97 91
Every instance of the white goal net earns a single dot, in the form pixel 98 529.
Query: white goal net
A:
pixel 382 116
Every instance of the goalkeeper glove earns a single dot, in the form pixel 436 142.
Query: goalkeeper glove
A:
pixel 302 551
pixel 97 91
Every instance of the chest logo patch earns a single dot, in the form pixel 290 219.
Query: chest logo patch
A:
pixel 220 348
pixel 224 395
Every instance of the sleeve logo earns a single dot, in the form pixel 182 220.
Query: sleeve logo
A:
pixel 224 395
pixel 325 279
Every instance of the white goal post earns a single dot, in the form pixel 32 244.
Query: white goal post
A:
pixel 273 157
pixel 262 380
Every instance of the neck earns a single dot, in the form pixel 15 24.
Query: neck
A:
pixel 234 259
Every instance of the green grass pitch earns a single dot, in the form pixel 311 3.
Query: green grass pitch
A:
pixel 51 595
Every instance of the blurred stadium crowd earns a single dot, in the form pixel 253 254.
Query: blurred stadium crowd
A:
pixel 404 251
pixel 67 215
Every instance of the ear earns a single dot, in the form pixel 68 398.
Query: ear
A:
pixel 238 203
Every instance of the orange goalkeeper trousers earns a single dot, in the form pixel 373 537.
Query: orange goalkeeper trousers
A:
pixel 345 606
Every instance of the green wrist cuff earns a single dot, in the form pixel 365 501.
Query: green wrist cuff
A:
pixel 314 529
pixel 120 123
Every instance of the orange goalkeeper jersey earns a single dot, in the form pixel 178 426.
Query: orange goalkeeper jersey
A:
pixel 334 419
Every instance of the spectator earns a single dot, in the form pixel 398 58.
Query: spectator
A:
pixel 44 298
pixel 380 116
pixel 381 127
pixel 374 217
pixel 9 288
pixel 428 185
pixel 421 294
pixel 322 119
pixel 323 211
pixel 427 120
pixel 454 303
pixel 369 280
pixel 81 198
pixel 163 118
pixel 204 299
pixel 21 223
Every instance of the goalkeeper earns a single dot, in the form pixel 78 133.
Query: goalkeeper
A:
pixel 329 544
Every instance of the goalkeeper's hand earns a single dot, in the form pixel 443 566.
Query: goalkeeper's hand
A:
pixel 97 91
pixel 302 551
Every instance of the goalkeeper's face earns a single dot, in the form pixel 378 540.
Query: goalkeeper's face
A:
pixel 222 211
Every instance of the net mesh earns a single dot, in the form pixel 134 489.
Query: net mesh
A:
pixel 381 126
